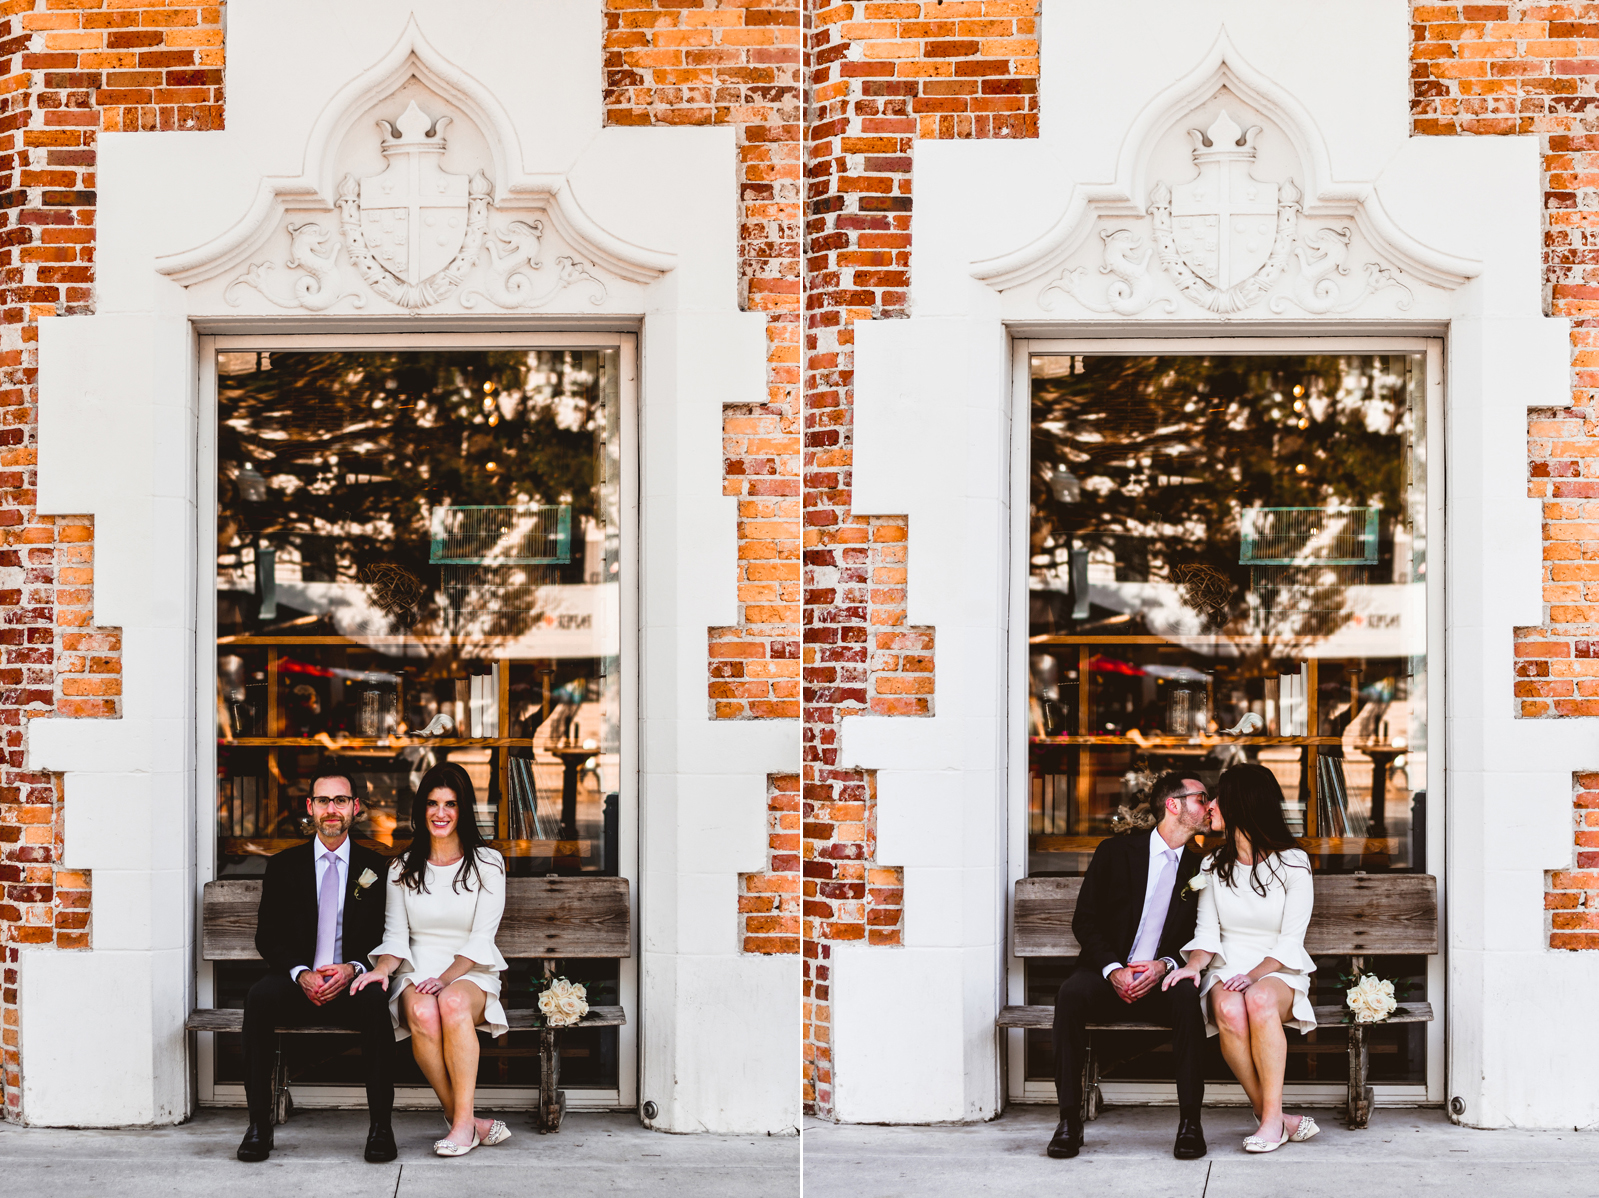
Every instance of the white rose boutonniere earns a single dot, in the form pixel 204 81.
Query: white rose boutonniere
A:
pixel 364 882
pixel 1371 999
pixel 563 1003
pixel 1195 884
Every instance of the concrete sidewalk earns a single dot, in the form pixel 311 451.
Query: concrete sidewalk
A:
pixel 593 1155
pixel 1128 1151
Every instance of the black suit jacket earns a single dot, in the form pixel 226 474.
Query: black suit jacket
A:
pixel 285 928
pixel 1111 902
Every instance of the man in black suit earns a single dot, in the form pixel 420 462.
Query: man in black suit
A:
pixel 1134 914
pixel 321 916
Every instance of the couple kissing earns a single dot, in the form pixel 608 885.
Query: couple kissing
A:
pixel 1205 945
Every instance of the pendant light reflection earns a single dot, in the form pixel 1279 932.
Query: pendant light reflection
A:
pixel 252 484
pixel 1068 488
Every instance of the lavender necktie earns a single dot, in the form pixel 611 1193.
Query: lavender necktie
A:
pixel 1155 913
pixel 327 913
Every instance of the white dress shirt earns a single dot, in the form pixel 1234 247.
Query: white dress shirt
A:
pixel 1156 904
pixel 341 862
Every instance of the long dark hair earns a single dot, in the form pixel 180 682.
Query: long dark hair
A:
pixel 1251 802
pixel 451 777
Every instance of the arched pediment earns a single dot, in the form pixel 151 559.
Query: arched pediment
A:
pixel 412 199
pixel 1224 206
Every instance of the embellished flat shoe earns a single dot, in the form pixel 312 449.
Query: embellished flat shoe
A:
pixel 451 1148
pixel 1260 1144
pixel 1307 1128
pixel 499 1133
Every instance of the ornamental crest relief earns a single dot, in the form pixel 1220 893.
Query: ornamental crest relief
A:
pixel 413 216
pixel 1225 236
pixel 1225 239
pixel 416 235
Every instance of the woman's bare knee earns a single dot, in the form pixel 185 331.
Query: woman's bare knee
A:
pixel 1263 1003
pixel 422 1016
pixel 1231 1016
pixel 455 1006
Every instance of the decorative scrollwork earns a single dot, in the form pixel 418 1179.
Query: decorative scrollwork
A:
pixel 1133 289
pixel 513 253
pixel 319 288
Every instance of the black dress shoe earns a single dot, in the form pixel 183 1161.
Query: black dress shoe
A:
pixel 1068 1138
pixel 380 1144
pixel 1190 1144
pixel 257 1142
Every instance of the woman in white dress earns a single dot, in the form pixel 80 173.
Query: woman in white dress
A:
pixel 447 893
pixel 1255 896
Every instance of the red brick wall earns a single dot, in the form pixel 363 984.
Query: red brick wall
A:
pixel 1534 69
pixel 881 75
pixel 71 69
pixel 737 62
pixel 769 901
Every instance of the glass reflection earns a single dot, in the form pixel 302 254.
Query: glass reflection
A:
pixel 1228 563
pixel 417 561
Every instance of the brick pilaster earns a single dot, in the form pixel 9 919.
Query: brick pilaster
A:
pixel 880 76
pixel 737 62
pixel 1533 69
pixel 71 68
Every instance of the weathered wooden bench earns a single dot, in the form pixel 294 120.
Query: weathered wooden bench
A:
pixel 550 918
pixel 1356 915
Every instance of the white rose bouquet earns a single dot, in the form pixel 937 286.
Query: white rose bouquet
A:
pixel 563 1003
pixel 1371 999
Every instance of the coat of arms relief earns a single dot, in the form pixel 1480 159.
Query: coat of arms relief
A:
pixel 1225 240
pixel 417 236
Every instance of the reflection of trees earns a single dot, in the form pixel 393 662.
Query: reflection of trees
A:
pixel 1154 458
pixel 358 448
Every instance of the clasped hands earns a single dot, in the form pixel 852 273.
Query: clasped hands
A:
pixel 1133 981
pixel 323 984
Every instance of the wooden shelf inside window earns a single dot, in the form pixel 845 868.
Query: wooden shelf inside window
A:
pixel 1180 743
pixel 364 642
pixel 266 846
pixel 354 744
pixel 1314 845
pixel 1288 647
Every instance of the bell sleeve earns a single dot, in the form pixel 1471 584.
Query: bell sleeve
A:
pixel 396 923
pixel 1207 928
pixel 480 948
pixel 1290 947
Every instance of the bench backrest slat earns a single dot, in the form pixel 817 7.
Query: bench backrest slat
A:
pixel 544 917
pixel 1355 914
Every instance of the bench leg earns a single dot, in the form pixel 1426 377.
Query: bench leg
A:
pixel 1091 1096
pixel 282 1102
pixel 552 1099
pixel 1360 1094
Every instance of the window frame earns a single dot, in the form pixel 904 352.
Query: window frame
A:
pixel 208 1092
pixel 1013 989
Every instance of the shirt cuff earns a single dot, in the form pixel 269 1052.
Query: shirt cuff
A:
pixel 294 974
pixel 1110 969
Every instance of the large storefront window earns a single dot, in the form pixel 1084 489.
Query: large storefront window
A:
pixel 418 561
pixel 1228 563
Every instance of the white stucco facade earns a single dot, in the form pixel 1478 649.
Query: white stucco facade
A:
pixel 648 219
pixel 999 228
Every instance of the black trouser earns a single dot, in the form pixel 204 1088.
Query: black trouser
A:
pixel 277 1001
pixel 1085 998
